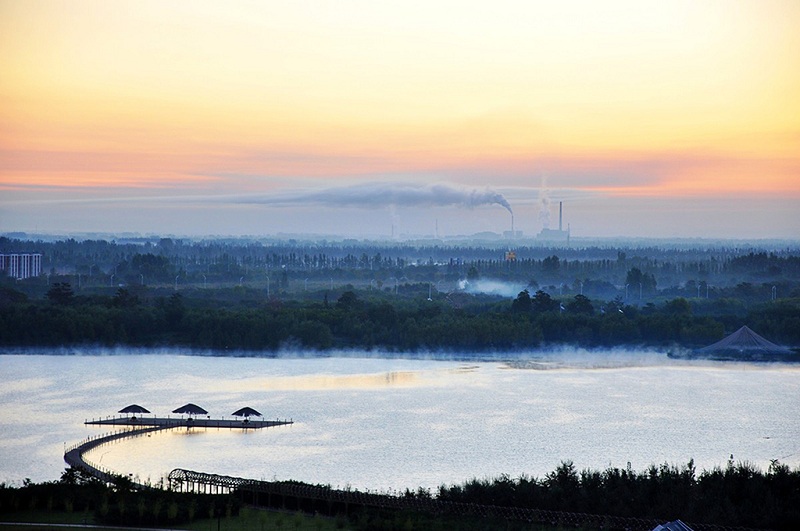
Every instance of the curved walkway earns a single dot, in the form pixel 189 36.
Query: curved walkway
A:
pixel 74 454
pixel 190 480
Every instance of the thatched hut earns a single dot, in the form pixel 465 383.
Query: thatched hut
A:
pixel 190 409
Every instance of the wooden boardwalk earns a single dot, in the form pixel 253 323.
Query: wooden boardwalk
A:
pixel 74 455
pixel 196 422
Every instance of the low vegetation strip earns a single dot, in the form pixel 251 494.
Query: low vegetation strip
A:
pixel 736 497
pixel 329 501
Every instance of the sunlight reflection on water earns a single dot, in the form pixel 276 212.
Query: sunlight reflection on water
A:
pixel 394 423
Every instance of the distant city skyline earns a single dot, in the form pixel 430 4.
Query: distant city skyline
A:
pixel 363 119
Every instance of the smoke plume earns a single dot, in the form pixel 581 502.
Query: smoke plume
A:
pixel 544 205
pixel 378 195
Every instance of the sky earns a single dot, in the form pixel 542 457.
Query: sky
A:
pixel 372 119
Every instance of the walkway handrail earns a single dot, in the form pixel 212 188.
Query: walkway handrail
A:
pixel 74 454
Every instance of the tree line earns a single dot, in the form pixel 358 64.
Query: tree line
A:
pixel 739 494
pixel 117 503
pixel 243 319
pixel 602 269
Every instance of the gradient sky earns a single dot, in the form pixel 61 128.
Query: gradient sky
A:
pixel 646 118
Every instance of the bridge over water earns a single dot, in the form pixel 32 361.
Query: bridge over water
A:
pixel 75 457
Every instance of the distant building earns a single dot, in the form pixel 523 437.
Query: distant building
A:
pixel 21 266
pixel 553 235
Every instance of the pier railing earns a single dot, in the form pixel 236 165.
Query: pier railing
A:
pixel 74 455
pixel 189 422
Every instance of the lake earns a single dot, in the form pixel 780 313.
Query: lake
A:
pixel 391 423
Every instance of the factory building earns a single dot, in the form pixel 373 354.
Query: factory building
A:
pixel 553 235
pixel 21 266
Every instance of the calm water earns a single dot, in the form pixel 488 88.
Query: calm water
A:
pixel 392 423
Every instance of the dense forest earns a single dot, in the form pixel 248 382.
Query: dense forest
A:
pixel 244 320
pixel 267 296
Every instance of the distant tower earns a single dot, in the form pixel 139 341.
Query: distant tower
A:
pixel 512 234
pixel 560 215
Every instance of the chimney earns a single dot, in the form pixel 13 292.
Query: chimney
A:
pixel 560 209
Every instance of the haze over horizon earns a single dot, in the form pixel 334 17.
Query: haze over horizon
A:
pixel 648 119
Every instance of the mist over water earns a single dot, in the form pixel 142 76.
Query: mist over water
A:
pixel 392 423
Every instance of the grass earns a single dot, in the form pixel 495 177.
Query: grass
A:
pixel 249 519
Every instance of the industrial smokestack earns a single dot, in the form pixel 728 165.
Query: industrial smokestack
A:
pixel 560 209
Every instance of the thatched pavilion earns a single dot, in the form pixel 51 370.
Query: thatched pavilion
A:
pixel 746 345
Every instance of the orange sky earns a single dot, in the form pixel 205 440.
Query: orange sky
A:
pixel 615 99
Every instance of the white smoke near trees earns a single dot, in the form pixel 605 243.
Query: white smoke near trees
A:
pixel 378 195
pixel 491 287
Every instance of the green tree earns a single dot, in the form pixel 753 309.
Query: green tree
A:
pixel 522 304
pixel 347 301
pixel 61 293
pixel 150 266
pixel 550 264
pixel 542 302
pixel 314 334
pixel 175 309
pixel 679 306
pixel 645 282
pixel 581 305
pixel 124 299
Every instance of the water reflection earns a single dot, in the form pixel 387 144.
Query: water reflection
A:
pixel 375 423
pixel 25 385
pixel 319 382
pixel 312 382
